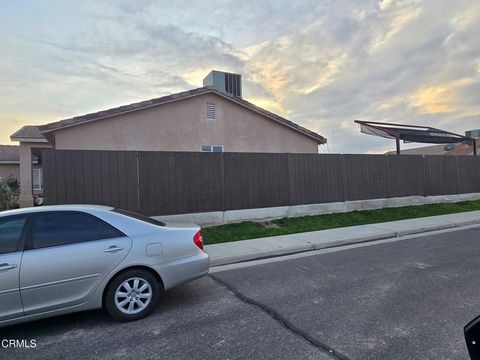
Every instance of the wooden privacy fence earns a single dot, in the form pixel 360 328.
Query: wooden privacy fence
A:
pixel 163 183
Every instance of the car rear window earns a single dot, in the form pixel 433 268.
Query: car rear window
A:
pixel 56 228
pixel 10 233
pixel 139 217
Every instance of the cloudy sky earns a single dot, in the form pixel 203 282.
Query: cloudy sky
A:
pixel 321 63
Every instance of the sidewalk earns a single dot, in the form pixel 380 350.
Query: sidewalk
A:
pixel 244 250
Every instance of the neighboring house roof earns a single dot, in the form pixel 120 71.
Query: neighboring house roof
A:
pixel 9 154
pixel 77 120
pixel 28 133
pixel 449 149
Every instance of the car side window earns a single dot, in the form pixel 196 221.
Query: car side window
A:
pixel 68 227
pixel 11 229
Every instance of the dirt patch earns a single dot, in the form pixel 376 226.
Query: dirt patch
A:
pixel 269 225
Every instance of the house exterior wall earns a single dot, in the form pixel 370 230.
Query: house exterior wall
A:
pixel 7 170
pixel 26 166
pixel 182 126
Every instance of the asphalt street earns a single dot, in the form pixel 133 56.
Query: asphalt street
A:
pixel 407 299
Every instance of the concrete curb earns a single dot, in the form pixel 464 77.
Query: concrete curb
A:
pixel 246 250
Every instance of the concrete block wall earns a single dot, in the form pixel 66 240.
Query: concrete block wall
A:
pixel 270 213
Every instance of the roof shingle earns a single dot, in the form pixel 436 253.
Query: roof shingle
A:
pixel 9 153
pixel 28 132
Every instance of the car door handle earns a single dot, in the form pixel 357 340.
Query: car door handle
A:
pixel 7 266
pixel 113 248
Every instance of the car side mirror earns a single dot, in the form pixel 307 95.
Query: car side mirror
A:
pixel 472 337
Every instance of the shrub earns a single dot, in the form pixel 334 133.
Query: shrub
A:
pixel 9 193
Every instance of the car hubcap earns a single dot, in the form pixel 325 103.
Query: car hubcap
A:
pixel 133 296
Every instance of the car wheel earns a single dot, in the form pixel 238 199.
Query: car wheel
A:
pixel 132 295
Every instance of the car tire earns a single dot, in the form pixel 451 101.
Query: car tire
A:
pixel 132 295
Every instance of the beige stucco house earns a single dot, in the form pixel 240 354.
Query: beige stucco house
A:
pixel 211 118
pixel 10 166
pixel 9 161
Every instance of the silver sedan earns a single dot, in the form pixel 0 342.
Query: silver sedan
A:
pixel 61 259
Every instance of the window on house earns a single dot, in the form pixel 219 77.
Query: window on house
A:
pixel 212 148
pixel 37 179
pixel 210 111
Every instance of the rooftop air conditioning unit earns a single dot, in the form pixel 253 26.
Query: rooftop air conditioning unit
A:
pixel 229 83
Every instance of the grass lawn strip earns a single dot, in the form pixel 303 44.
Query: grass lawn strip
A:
pixel 251 230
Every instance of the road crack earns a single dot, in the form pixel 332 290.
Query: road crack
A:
pixel 282 321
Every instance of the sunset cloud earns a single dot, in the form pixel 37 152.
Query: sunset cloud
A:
pixel 444 98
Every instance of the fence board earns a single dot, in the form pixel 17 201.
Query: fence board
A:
pixel 440 175
pixel 405 175
pixel 79 177
pixel 133 198
pixel 468 174
pixel 180 182
pixel 89 177
pixel 114 174
pixel 158 183
pixel 255 180
pixel 315 178
pixel 92 177
pixel 364 177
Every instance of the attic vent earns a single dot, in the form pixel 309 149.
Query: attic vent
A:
pixel 210 111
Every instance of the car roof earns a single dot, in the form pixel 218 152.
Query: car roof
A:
pixel 72 207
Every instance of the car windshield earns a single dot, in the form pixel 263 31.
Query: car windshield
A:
pixel 139 217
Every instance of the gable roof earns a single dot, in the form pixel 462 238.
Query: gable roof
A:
pixel 9 154
pixel 28 133
pixel 78 120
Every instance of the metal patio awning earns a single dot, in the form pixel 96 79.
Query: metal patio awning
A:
pixel 413 133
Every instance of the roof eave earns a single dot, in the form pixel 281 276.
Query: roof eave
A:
pixel 46 129
pixel 30 140
pixel 321 140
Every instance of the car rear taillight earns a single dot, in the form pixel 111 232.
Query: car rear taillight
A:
pixel 198 239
